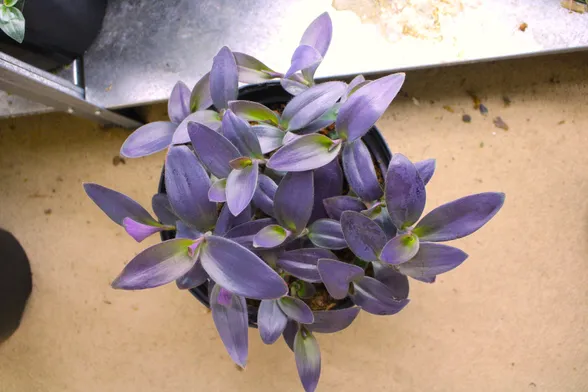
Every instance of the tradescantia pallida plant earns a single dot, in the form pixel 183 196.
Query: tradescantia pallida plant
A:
pixel 281 210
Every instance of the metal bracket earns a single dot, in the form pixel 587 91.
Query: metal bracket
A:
pixel 40 86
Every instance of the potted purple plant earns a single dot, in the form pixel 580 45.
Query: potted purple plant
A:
pixel 287 212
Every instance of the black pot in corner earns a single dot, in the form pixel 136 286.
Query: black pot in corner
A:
pixel 56 31
pixel 270 94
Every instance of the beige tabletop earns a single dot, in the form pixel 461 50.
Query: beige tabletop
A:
pixel 514 317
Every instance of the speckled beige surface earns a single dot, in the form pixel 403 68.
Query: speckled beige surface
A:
pixel 513 318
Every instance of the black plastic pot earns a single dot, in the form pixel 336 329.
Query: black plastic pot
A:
pixel 271 94
pixel 15 284
pixel 56 31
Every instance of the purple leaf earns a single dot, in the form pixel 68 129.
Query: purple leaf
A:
pixel 323 121
pixel 163 209
pixel 178 106
pixel 270 138
pixel 327 233
pixel 217 191
pixel 331 321
pixel 251 70
pixel 290 332
pixel 243 234
pixel 241 186
pixel 193 278
pixel 405 192
pixel 185 231
pixel 156 266
pixel 231 321
pixel 337 276
pixel 336 205
pixel 224 78
pixel 382 218
pixel 213 149
pixel 226 221
pixel 239 133
pixel 296 310
pixel 239 270
pixel 308 359
pixel 431 260
pixel 208 118
pixel 393 279
pixel 271 321
pixel 290 137
pixel 360 171
pixel 305 153
pixel 400 249
pixel 304 57
pixel 139 231
pixel 311 104
pixel 271 236
pixel 200 98
pixel 293 87
pixel 364 107
pixel 460 217
pixel 254 111
pixel 293 200
pixel 375 297
pixel 328 182
pixel 186 184
pixel 426 169
pixel 364 237
pixel 356 81
pixel 148 139
pixel 263 198
pixel 116 205
pixel 319 33
pixel 302 263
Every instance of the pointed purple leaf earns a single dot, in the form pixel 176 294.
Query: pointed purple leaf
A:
pixel 293 200
pixel 459 218
pixel 241 186
pixel 186 184
pixel 364 107
pixel 322 122
pixel 116 205
pixel 364 237
pixel 337 275
pixel 208 118
pixel 217 191
pixel 327 233
pixel 271 321
pixel 400 249
pixel 193 278
pixel 308 359
pixel 302 263
pixel 382 218
pixel 200 98
pixel 355 82
pixel 162 209
pixel 157 265
pixel 305 153
pixel 311 104
pixel 328 182
pixel 375 297
pixel 185 231
pixel 290 332
pixel 254 111
pixel 304 57
pixel 360 171
pixel 426 169
pixel 271 236
pixel 139 231
pixel 251 70
pixel 336 205
pixel 405 192
pixel 213 149
pixel 224 78
pixel 263 198
pixel 226 221
pixel 296 310
pixel 239 270
pixel 293 87
pixel 231 321
pixel 394 280
pixel 270 138
pixel 244 233
pixel 331 321
pixel 148 139
pixel 431 260
pixel 239 132
pixel 318 34
pixel 178 106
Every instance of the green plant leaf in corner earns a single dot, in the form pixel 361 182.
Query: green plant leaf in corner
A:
pixel 12 22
